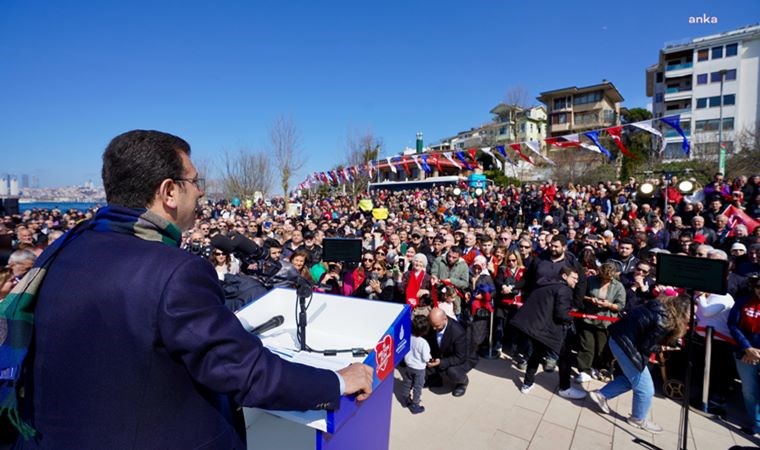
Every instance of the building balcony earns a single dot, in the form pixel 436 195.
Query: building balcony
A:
pixel 676 112
pixel 674 67
pixel 672 94
pixel 559 127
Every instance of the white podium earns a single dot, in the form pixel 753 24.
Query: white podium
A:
pixel 333 323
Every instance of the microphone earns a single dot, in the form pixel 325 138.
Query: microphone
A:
pixel 272 323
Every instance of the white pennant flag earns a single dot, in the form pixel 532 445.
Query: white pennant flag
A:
pixel 414 158
pixel 447 155
pixel 487 151
pixel 646 125
pixel 390 164
pixel 535 147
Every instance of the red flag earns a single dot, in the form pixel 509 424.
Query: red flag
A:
pixel 406 165
pixel 516 147
pixel 434 159
pixel 472 152
pixel 614 133
pixel 563 142
pixel 737 216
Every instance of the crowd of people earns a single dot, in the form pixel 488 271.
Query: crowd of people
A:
pixel 559 276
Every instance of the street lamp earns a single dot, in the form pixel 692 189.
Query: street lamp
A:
pixel 722 157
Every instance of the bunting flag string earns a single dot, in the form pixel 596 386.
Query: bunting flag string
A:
pixel 487 151
pixel 536 148
pixel 675 122
pixel 594 136
pixel 516 147
pixel 616 134
pixel 464 158
pixel 417 162
pixel 425 165
pixel 390 164
pixel 454 163
pixel 461 158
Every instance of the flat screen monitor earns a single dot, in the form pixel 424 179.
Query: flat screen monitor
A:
pixel 342 250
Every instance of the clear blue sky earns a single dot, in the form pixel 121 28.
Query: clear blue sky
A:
pixel 74 74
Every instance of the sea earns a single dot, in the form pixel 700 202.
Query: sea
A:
pixel 63 206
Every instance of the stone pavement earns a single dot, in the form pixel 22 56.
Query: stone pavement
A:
pixel 493 414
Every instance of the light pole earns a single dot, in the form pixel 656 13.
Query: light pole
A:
pixel 722 157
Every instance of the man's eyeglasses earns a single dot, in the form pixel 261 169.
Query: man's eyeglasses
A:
pixel 512 260
pixel 199 183
pixel 525 246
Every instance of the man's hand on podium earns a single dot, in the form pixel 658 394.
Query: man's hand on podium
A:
pixel 358 379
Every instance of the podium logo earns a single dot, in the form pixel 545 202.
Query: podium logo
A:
pixel 384 357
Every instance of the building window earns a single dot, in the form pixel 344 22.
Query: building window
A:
pixel 586 118
pixel 717 52
pixel 584 99
pixel 702 78
pixel 729 99
pixel 715 77
pixel 728 124
pixel 731 50
pixel 560 103
pixel 659 77
pixel 701 103
pixel 714 101
pixel 714 124
pixel 503 130
pixel 658 97
pixel 558 119
pixel 703 55
pixel 730 75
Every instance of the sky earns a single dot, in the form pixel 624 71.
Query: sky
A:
pixel 75 74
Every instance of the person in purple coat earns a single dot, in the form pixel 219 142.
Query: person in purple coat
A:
pixel 133 346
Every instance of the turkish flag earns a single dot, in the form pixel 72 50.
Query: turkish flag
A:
pixel 737 216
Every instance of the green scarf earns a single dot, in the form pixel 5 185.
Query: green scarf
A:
pixel 17 309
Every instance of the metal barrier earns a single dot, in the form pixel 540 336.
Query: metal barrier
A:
pixel 706 377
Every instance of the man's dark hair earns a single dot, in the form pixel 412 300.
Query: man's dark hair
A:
pixel 136 162
pixel 628 241
pixel 455 249
pixel 567 270
pixel 561 238
pixel 420 325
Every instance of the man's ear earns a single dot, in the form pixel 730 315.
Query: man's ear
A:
pixel 167 194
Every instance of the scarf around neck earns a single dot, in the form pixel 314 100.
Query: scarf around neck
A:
pixel 17 308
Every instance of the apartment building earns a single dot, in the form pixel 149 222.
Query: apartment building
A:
pixel 578 109
pixel 516 124
pixel 703 80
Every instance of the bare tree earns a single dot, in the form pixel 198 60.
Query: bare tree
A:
pixel 288 154
pixel 746 156
pixel 245 173
pixel 518 96
pixel 361 147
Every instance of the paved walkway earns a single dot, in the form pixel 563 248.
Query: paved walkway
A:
pixel 493 414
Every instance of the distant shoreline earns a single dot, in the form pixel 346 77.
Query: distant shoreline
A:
pixel 62 206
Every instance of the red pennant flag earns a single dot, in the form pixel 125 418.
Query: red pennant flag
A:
pixel 406 165
pixel 737 216
pixel 516 147
pixel 562 142
pixel 434 159
pixel 472 152
pixel 614 133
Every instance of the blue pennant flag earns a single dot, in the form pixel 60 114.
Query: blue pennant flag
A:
pixel 463 160
pixel 594 136
pixel 425 166
pixel 675 122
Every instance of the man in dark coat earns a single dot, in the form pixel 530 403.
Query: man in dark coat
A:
pixel 133 346
pixel 452 354
pixel 543 319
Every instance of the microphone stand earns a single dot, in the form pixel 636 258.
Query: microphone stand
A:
pixel 303 291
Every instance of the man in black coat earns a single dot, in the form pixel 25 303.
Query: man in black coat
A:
pixel 543 319
pixel 451 353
